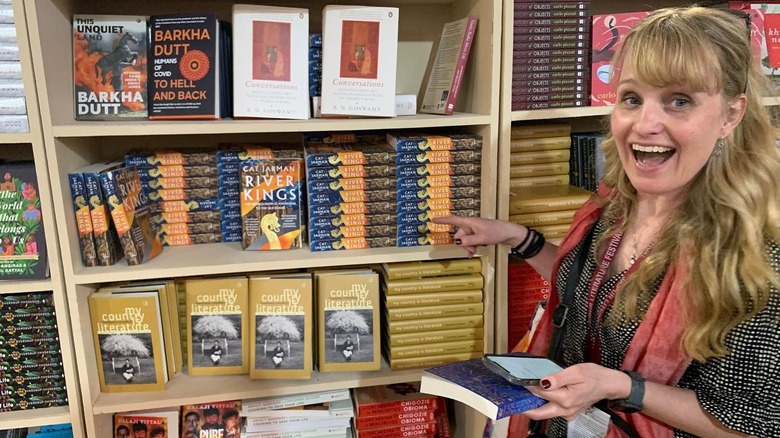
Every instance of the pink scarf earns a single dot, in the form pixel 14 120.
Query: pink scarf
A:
pixel 655 351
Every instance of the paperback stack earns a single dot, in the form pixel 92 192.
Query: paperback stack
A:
pixel 314 414
pixel 433 312
pixel 608 33
pixel 539 155
pixel 527 294
pixel 437 175
pixel 13 110
pixel 400 410
pixel 315 65
pixel 351 192
pixel 587 160
pixel 182 179
pixel 550 54
pixel 31 374
pixel 548 209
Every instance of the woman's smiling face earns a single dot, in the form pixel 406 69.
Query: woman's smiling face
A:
pixel 665 135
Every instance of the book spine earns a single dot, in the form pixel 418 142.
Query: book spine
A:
pixel 414 351
pixel 83 219
pixel 251 406
pixel 468 321
pixel 399 340
pixel 418 313
pixel 379 421
pixel 396 271
pixel 461 66
pixel 396 407
pixel 411 430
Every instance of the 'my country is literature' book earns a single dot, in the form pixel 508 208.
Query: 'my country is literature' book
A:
pixel 23 244
pixel 432 268
pixel 542 199
pixel 444 81
pixel 184 67
pixel 127 330
pixel 109 67
pixel 360 50
pixel 472 383
pixel 280 338
pixel 348 321
pixel 217 323
pixel 270 69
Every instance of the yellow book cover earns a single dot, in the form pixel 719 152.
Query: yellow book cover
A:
pixel 446 283
pixel 432 268
pixel 539 144
pixel 540 199
pixel 436 349
pixel 217 322
pixel 540 130
pixel 544 218
pixel 432 299
pixel 348 322
pixel 448 323
pixel 280 335
pixel 543 169
pixel 410 363
pixel 128 337
pixel 442 311
pixel 554 231
pixel 538 157
pixel 160 290
pixel 536 181
pixel 432 337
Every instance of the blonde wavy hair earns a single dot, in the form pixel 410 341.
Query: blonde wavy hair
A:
pixel 732 209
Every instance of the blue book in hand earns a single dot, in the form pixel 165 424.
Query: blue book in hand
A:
pixel 472 383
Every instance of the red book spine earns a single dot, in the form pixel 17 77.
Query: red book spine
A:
pixel 390 420
pixel 396 407
pixel 418 430
pixel 468 39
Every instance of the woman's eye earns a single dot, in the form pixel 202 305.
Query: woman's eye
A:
pixel 681 102
pixel 631 99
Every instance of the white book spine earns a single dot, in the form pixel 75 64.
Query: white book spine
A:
pixel 359 57
pixel 270 62
pixel 250 406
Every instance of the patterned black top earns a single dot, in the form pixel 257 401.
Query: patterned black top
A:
pixel 741 389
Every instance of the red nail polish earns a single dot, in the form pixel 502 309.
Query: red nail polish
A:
pixel 545 384
pixel 458 241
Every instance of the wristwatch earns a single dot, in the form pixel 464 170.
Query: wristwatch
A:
pixel 633 403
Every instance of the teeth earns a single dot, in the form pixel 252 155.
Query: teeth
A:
pixel 657 149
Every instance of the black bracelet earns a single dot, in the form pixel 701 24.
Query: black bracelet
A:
pixel 527 237
pixel 536 245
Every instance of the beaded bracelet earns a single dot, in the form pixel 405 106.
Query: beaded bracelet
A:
pixel 534 247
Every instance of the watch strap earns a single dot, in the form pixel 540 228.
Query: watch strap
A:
pixel 634 401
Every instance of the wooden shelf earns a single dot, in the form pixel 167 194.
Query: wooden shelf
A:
pixel 15 137
pixel 11 287
pixel 34 417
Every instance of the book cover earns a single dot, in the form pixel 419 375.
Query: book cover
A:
pixel 169 415
pixel 270 75
pixel 184 66
pixel 131 214
pixel 542 199
pixel 78 193
pixel 472 383
pixel 280 336
pixel 360 45
pixel 393 399
pixel 23 249
pixel 129 346
pixel 107 244
pixel 217 322
pixel 271 204
pixel 432 268
pixel 109 67
pixel 608 33
pixel 445 283
pixel 132 425
pixel 211 420
pixel 446 77
pixel 348 321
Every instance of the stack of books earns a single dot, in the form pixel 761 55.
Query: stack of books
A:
pixel 550 54
pixel 539 155
pixel 13 109
pixel 586 160
pixel 314 414
pixel 437 175
pixel 399 410
pixel 433 312
pixel 31 375
pixel 527 294
pixel 548 209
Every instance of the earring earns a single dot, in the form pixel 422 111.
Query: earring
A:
pixel 718 147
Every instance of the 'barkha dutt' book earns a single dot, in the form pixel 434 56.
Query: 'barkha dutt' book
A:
pixel 280 336
pixel 434 268
pixel 360 50
pixel 271 204
pixel 109 67
pixel 217 322
pixel 131 213
pixel 348 321
pixel 270 69
pixel 127 330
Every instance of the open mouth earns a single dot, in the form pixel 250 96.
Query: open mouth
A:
pixel 651 155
